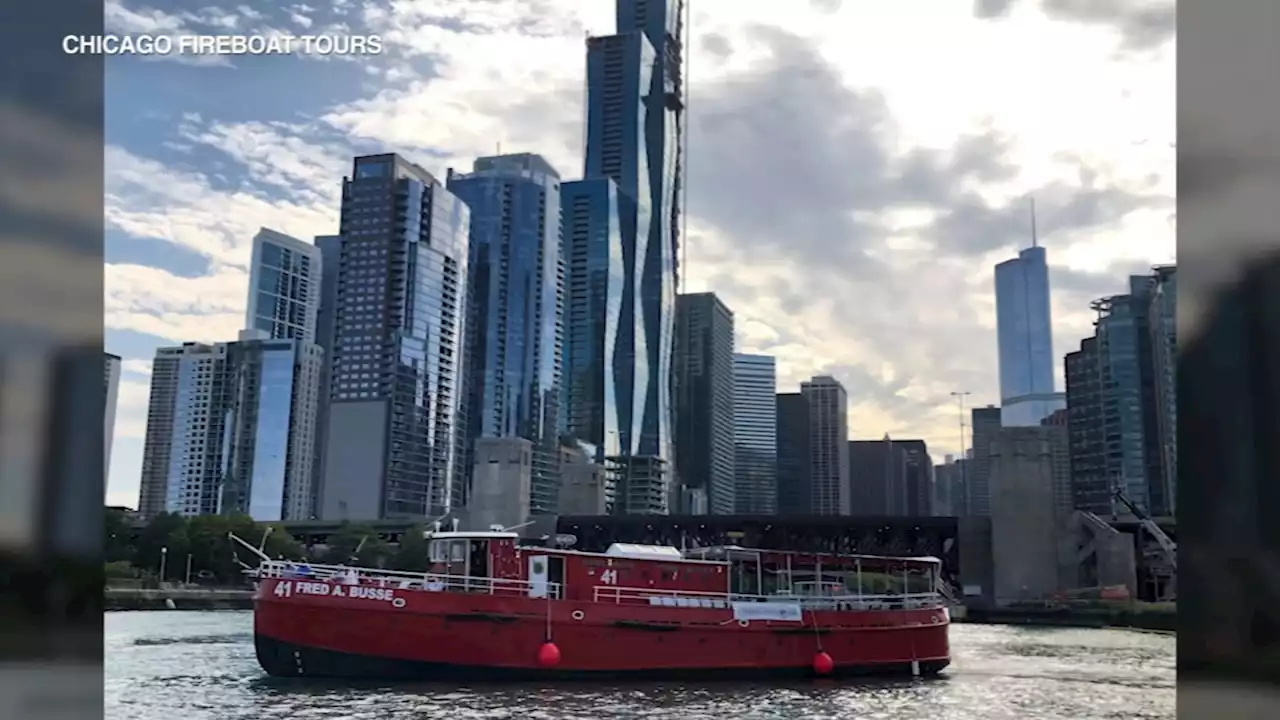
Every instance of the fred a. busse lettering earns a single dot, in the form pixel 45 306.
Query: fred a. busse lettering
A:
pixel 319 589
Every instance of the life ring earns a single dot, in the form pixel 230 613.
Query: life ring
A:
pixel 397 602
pixel 935 619
pixel 578 614
pixel 744 623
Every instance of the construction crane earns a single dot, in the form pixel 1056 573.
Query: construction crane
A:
pixel 1167 546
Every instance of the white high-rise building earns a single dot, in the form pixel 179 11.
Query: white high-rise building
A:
pixel 112 378
pixel 284 287
pixel 828 445
pixel 231 428
pixel 755 434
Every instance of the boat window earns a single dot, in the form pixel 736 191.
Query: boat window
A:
pixel 457 551
pixel 439 551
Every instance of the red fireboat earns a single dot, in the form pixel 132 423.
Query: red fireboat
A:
pixel 492 608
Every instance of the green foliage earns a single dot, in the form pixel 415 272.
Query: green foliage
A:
pixel 412 553
pixel 117 545
pixel 120 570
pixel 135 553
pixel 201 544
pixel 356 544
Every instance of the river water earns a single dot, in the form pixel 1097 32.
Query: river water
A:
pixel 201 666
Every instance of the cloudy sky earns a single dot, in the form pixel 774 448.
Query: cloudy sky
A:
pixel 857 168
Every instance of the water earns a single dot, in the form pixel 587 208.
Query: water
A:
pixel 201 666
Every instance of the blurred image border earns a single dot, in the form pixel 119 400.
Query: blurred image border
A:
pixel 1229 359
pixel 52 474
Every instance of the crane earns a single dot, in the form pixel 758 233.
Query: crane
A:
pixel 1166 543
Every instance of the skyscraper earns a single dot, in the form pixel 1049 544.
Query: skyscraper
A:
pixel 396 378
pixel 919 484
pixel 597 391
pixel 795 472
pixel 878 478
pixel 1024 331
pixel 1162 321
pixel 284 287
pixel 634 105
pixel 330 247
pixel 755 434
pixel 515 311
pixel 231 428
pixel 1114 408
pixel 111 375
pixel 985 423
pixel 828 445
pixel 704 401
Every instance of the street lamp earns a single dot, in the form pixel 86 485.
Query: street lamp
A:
pixel 164 556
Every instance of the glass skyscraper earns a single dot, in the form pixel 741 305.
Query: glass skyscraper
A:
pixel 705 400
pixel 396 382
pixel 231 428
pixel 284 287
pixel 1118 392
pixel 1024 331
pixel 515 311
pixel 755 434
pixel 634 136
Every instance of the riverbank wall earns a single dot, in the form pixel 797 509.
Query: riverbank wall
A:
pixel 178 599
pixel 1138 618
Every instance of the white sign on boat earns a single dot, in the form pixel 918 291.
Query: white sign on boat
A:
pixel 784 612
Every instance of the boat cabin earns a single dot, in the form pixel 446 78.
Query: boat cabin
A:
pixel 495 561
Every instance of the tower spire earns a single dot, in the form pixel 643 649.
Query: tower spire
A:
pixel 1035 242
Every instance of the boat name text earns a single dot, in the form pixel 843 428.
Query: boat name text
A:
pixel 289 588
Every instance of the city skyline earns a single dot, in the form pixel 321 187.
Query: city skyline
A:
pixel 182 214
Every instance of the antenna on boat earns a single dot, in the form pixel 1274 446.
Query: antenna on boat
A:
pixel 516 527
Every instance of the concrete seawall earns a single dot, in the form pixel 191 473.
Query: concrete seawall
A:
pixel 178 599
pixel 1152 620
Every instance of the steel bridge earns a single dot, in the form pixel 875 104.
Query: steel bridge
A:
pixel 894 536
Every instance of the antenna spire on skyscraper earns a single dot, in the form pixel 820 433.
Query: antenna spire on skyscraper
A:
pixel 1034 240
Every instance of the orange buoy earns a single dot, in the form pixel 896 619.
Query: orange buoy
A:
pixel 548 654
pixel 823 664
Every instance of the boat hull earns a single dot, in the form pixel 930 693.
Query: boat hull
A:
pixel 282 659
pixel 423 635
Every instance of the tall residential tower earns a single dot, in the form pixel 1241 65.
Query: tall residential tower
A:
pixel 828 446
pixel 284 287
pixel 396 379
pixel 634 137
pixel 704 400
pixel 515 313
pixel 755 434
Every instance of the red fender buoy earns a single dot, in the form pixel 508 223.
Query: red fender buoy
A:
pixel 823 664
pixel 548 654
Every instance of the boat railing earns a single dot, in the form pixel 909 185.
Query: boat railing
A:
pixel 406 580
pixel 695 599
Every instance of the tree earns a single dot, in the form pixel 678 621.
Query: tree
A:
pixel 280 544
pixel 118 543
pixel 153 538
pixel 412 555
pixel 356 545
